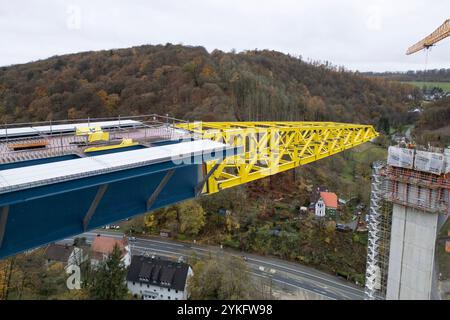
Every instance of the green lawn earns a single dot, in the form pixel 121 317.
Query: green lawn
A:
pixel 444 85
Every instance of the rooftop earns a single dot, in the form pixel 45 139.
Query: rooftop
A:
pixel 330 199
pixel 159 272
pixel 105 245
pixel 58 252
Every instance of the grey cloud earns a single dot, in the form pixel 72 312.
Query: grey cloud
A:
pixel 363 35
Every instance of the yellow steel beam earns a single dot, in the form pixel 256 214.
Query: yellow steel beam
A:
pixel 272 147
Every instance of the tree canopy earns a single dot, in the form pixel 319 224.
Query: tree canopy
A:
pixel 190 83
pixel 108 281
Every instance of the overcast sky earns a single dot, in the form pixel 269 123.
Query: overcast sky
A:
pixel 365 35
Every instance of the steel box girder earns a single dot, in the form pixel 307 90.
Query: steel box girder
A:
pixel 44 214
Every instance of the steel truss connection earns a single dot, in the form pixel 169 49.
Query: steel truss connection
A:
pixel 273 147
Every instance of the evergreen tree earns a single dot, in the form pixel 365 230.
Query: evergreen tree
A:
pixel 108 281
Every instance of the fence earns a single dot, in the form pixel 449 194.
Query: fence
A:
pixel 56 138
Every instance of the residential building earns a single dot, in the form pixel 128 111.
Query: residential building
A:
pixel 68 255
pixel 320 208
pixel 102 246
pixel 326 205
pixel 153 278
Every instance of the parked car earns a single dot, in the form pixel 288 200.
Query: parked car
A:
pixel 132 239
pixel 342 227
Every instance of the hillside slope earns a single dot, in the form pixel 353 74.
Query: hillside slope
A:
pixel 190 83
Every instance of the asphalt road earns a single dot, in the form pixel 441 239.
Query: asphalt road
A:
pixel 284 274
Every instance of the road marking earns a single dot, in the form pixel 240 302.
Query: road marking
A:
pixel 201 249
pixel 112 235
pixel 294 286
pixel 153 249
pixel 165 243
pixel 304 272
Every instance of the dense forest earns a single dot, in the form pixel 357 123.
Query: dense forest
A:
pixel 190 83
pixel 434 124
pixel 434 75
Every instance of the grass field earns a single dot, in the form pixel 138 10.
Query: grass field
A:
pixel 444 85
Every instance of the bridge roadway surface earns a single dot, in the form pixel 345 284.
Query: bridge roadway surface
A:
pixel 288 275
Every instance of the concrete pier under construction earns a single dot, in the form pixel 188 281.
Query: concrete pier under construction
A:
pixel 410 202
pixel 411 259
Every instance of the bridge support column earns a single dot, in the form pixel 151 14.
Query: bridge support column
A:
pixel 411 259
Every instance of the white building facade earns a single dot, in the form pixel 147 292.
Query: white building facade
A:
pixel 158 279
pixel 320 208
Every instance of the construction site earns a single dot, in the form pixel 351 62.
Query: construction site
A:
pixel 410 203
pixel 59 179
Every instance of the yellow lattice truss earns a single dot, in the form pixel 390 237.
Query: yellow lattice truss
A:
pixel 272 147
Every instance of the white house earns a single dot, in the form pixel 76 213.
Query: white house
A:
pixel 320 208
pixel 326 205
pixel 158 279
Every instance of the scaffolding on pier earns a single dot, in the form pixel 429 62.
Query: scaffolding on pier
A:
pixel 410 187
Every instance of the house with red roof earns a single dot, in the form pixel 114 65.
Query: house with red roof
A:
pixel 102 246
pixel 326 205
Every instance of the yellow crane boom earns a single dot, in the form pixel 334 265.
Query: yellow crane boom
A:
pixel 439 34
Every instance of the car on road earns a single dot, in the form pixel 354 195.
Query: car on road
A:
pixel 132 239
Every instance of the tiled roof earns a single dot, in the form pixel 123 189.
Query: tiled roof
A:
pixel 105 245
pixel 159 272
pixel 330 199
pixel 58 252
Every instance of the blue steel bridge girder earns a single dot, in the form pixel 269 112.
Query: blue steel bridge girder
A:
pixel 36 216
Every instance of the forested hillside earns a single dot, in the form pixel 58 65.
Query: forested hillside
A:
pixel 434 124
pixel 188 82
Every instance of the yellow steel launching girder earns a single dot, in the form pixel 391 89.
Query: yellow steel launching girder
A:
pixel 272 147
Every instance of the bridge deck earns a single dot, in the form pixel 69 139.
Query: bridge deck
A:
pixel 48 173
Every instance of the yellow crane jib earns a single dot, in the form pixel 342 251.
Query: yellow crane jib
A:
pixel 437 35
pixel 272 147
